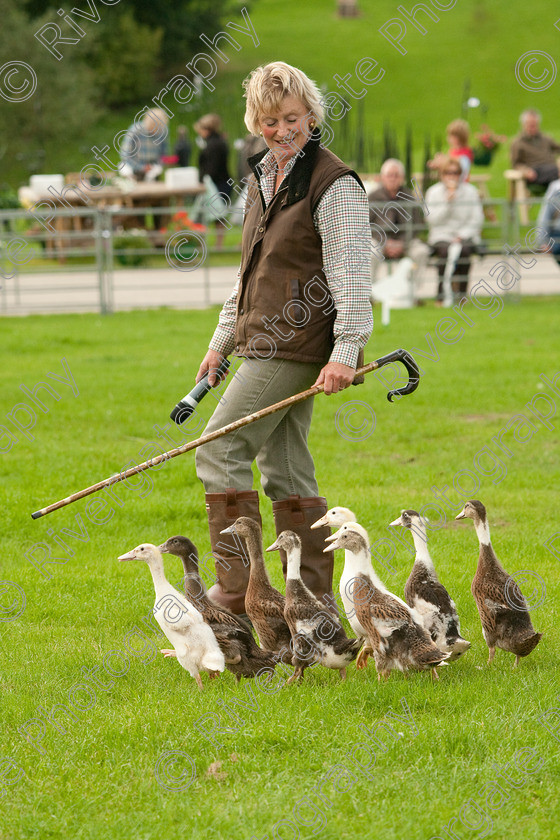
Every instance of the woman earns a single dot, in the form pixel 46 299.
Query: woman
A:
pixel 213 161
pixel 458 139
pixel 299 315
pixel 454 214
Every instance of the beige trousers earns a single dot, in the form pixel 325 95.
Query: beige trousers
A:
pixel 277 442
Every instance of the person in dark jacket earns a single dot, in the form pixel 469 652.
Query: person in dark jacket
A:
pixel 182 147
pixel 534 153
pixel 299 315
pixel 213 161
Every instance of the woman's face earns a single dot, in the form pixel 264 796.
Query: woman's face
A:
pixel 451 175
pixel 287 130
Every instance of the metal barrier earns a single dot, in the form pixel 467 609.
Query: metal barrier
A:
pixel 93 259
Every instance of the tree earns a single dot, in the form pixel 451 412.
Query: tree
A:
pixel 63 104
pixel 182 21
pixel 131 79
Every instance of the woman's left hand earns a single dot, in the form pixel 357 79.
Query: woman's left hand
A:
pixel 335 377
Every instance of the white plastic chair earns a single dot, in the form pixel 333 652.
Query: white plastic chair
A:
pixel 39 184
pixel 181 176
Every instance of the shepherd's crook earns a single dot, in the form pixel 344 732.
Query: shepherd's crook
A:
pixel 396 356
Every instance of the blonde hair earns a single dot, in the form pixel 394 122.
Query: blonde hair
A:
pixel 449 160
pixel 269 84
pixel 459 129
pixel 209 122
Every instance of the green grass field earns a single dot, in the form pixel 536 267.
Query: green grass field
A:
pixel 94 777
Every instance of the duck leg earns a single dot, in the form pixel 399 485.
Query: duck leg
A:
pixel 516 663
pixel 342 673
pixel 199 682
pixel 362 658
pixel 297 675
pixel 168 652
pixel 435 675
pixel 491 653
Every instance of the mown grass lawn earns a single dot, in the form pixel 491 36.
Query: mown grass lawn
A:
pixel 94 776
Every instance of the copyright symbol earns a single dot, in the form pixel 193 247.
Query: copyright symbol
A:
pixel 515 598
pixel 17 607
pixel 530 78
pixel 9 87
pixel 185 250
pixel 164 770
pixel 348 423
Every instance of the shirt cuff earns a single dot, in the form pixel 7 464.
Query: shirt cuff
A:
pixel 345 353
pixel 222 342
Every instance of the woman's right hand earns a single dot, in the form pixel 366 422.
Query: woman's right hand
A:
pixel 211 361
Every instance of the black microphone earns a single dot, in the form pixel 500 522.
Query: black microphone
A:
pixel 187 405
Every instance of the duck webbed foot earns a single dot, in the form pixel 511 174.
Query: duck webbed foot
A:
pixel 233 660
pixel 167 652
pixel 362 658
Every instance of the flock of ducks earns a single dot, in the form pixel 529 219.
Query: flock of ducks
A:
pixel 418 633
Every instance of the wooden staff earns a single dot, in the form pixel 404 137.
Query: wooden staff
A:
pixel 402 356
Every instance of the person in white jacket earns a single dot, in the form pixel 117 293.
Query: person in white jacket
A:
pixel 454 214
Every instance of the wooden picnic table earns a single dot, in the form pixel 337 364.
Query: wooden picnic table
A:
pixel 142 194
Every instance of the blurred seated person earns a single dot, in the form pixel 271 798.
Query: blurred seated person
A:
pixel 458 141
pixel 548 223
pixel 182 149
pixel 144 145
pixel 454 214
pixel 398 218
pixel 534 154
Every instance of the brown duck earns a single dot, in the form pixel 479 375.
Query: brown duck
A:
pixel 502 608
pixel 398 642
pixel 243 656
pixel 427 595
pixel 263 603
pixel 318 636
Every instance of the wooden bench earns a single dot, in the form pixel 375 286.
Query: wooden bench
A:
pixel 518 192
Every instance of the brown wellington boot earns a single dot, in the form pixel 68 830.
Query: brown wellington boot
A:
pixel 230 556
pixel 298 514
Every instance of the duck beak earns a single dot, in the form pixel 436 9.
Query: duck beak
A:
pixel 274 546
pixel 131 555
pixel 461 515
pixel 334 536
pixel 163 547
pixel 332 547
pixel 230 530
pixel 395 522
pixel 320 522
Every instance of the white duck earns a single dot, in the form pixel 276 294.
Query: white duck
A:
pixel 337 517
pixel 194 643
pixel 425 592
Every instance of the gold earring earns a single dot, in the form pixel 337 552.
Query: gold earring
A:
pixel 311 125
